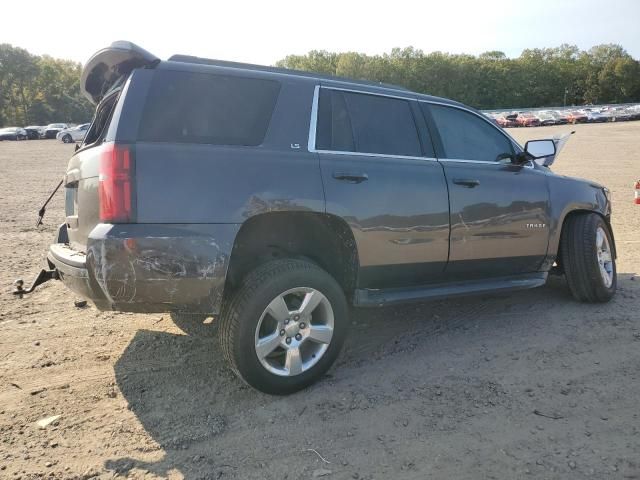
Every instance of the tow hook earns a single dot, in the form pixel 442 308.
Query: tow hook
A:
pixel 43 276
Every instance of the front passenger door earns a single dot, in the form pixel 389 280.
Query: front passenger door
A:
pixel 499 211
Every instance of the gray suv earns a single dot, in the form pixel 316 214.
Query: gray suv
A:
pixel 275 199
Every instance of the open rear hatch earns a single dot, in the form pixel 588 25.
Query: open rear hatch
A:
pixel 91 167
pixel 90 197
pixel 111 65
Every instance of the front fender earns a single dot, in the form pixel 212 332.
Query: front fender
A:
pixel 568 196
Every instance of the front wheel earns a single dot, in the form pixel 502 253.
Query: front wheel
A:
pixel 285 326
pixel 588 258
pixel 67 139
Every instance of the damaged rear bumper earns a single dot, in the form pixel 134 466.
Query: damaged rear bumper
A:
pixel 149 268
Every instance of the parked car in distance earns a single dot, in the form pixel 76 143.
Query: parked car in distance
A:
pixel 619 114
pixel 546 118
pixel 507 120
pixel 51 130
pixel 596 117
pixel 527 120
pixel 34 132
pixel 575 116
pixel 559 117
pixel 73 134
pixel 13 133
pixel 634 112
pixel 275 199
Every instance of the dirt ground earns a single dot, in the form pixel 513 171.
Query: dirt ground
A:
pixel 528 385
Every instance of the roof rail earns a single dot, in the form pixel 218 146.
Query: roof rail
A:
pixel 286 71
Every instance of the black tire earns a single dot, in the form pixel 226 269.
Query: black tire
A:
pixel 241 315
pixel 193 324
pixel 580 258
pixel 67 139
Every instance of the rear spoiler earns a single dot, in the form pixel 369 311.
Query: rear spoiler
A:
pixel 109 65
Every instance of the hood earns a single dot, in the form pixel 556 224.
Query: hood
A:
pixel 560 140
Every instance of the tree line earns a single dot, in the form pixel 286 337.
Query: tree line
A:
pixel 37 90
pixel 537 78
pixel 41 89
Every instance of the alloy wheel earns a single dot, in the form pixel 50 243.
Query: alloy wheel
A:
pixel 294 331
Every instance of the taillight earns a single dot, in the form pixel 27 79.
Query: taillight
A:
pixel 115 184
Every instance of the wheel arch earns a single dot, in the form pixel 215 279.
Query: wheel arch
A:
pixel 324 239
pixel 555 249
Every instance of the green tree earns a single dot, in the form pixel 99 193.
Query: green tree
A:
pixel 538 77
pixel 39 90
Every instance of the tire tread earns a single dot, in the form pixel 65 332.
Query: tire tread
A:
pixel 577 248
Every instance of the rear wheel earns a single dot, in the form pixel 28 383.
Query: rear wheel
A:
pixel 285 326
pixel 67 139
pixel 588 258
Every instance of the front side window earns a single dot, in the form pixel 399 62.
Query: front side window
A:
pixel 465 136
pixel 184 107
pixel 363 123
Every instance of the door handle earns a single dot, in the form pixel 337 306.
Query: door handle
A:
pixel 466 182
pixel 351 177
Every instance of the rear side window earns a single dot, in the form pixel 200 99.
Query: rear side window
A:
pixel 102 120
pixel 466 136
pixel 184 107
pixel 356 122
pixel 334 130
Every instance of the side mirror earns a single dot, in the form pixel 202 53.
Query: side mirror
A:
pixel 540 148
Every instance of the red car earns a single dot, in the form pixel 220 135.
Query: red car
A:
pixel 528 120
pixel 576 117
pixel 506 121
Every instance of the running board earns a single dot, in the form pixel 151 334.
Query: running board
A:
pixel 365 297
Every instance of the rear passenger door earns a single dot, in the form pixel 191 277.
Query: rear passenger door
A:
pixel 380 175
pixel 499 210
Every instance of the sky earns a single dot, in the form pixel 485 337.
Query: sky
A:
pixel 265 31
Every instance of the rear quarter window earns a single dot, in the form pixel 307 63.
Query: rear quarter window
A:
pixel 185 107
pixel 102 120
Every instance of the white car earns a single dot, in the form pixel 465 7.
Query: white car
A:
pixel 73 134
